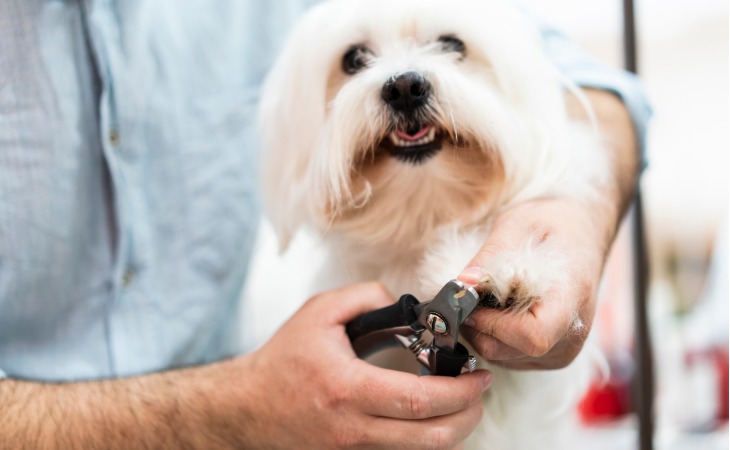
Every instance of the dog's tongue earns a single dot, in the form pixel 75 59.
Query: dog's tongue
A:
pixel 413 137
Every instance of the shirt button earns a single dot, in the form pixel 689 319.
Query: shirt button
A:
pixel 128 277
pixel 114 137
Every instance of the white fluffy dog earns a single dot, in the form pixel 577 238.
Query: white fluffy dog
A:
pixel 397 130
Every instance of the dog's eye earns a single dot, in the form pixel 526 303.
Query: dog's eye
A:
pixel 451 43
pixel 355 59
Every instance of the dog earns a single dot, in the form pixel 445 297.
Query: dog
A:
pixel 397 131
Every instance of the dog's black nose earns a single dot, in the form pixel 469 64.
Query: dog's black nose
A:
pixel 407 91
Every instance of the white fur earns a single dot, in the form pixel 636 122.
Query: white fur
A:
pixel 415 226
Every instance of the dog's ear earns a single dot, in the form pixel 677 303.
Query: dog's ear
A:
pixel 291 118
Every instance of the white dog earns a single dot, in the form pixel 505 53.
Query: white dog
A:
pixel 397 130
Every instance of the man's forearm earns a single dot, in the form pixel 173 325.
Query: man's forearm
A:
pixel 176 409
pixel 552 335
pixel 615 125
pixel 594 220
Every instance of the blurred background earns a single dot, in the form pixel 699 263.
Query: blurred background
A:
pixel 683 60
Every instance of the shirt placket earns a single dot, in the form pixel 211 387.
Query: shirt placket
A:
pixel 126 315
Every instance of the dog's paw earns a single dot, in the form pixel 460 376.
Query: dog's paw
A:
pixel 520 279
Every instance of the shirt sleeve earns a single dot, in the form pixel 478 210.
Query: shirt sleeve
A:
pixel 585 71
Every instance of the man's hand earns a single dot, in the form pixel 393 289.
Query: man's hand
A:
pixel 315 393
pixel 551 333
pixel 304 389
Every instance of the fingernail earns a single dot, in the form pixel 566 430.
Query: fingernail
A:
pixel 470 322
pixel 472 274
pixel 486 381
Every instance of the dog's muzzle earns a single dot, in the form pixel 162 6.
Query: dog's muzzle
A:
pixel 414 137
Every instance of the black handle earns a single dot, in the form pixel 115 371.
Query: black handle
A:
pixel 374 330
pixel 447 363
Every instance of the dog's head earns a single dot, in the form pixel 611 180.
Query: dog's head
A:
pixel 384 119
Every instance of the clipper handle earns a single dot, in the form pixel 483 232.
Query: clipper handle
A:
pixel 443 362
pixel 375 330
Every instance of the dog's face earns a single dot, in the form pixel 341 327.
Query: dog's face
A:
pixel 383 119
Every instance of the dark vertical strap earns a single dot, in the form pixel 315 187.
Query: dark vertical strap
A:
pixel 630 58
pixel 644 375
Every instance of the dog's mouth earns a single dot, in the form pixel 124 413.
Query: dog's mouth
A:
pixel 414 144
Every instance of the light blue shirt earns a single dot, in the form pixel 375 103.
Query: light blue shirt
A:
pixel 128 199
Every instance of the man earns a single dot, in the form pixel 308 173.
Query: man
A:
pixel 128 209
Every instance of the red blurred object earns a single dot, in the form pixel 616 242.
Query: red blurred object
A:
pixel 721 363
pixel 718 356
pixel 605 402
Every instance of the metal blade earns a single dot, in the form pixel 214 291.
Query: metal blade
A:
pixel 443 315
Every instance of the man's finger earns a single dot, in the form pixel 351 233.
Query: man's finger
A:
pixel 342 305
pixel 438 432
pixel 532 332
pixel 488 346
pixel 407 396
